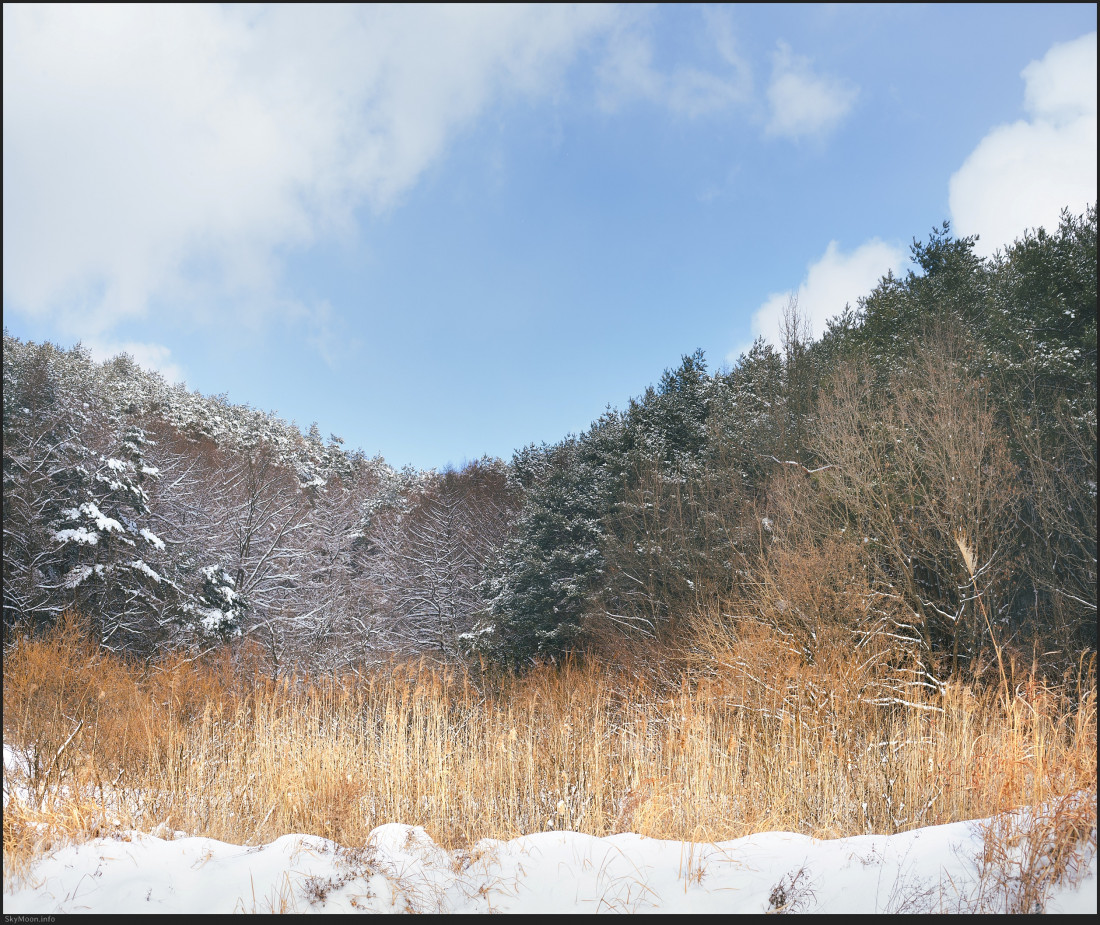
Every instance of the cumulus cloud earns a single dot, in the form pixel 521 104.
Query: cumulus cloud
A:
pixel 803 103
pixel 628 72
pixel 835 280
pixel 146 147
pixel 1022 175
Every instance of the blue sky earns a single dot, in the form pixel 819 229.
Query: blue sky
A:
pixel 442 233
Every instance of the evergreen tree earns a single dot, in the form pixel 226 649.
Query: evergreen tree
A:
pixel 540 595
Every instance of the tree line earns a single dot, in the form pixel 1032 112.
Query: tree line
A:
pixel 919 483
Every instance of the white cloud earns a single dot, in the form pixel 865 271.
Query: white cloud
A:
pixel 804 103
pixel 628 72
pixel 1022 175
pixel 832 282
pixel 149 146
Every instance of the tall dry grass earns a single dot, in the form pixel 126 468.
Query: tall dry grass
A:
pixel 213 748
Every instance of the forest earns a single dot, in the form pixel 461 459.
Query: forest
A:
pixel 789 593
pixel 920 481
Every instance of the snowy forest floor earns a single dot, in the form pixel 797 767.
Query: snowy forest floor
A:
pixel 947 868
pixel 203 785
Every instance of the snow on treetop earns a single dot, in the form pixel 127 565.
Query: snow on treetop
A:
pixel 102 521
pixel 215 621
pixel 140 566
pixel 215 574
pixel 77 575
pixel 80 535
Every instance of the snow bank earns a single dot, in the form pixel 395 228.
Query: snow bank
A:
pixel 402 870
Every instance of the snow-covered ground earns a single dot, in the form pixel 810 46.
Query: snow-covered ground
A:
pixel 402 870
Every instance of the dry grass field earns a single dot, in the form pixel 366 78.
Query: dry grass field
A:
pixel 214 748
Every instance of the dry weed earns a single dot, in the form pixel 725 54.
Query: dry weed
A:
pixel 1029 852
pixel 202 747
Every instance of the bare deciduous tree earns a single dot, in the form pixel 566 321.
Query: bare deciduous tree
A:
pixel 922 473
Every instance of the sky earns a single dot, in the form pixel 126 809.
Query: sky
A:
pixel 442 233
